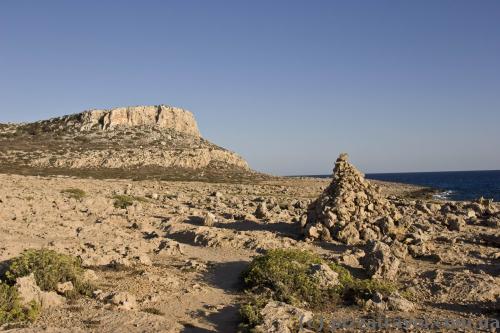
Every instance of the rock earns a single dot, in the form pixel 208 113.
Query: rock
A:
pixel 217 194
pixel 143 259
pixel 368 234
pixel 394 302
pixel 261 212
pixel 122 300
pixel 161 116
pixel 169 247
pixel 399 250
pixel 64 287
pixel 397 303
pixel 326 277
pixel 90 275
pixel 118 140
pixel 29 292
pixel 209 219
pixel 193 265
pixel 380 263
pixel 350 204
pixel 376 303
pixel 348 235
pixel 454 222
pixel 279 317
pixel 303 220
pixel 493 222
pixel 313 231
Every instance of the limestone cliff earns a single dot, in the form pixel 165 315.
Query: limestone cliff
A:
pixel 126 141
pixel 161 116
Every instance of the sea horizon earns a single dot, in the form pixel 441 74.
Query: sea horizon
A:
pixel 452 185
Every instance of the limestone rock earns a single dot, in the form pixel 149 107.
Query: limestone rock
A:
pixel 262 212
pixel 397 303
pixel 209 219
pixel 156 140
pixel 280 317
pixel 162 116
pixel 29 292
pixel 64 287
pixel 124 301
pixel 326 277
pixel 455 223
pixel 380 262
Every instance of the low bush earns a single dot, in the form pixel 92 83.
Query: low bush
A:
pixel 284 275
pixel 74 193
pixel 11 309
pixel 49 269
pixel 123 201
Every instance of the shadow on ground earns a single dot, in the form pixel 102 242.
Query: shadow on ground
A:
pixel 224 320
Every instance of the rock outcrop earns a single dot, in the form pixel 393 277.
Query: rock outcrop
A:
pixel 161 116
pixel 350 209
pixel 142 141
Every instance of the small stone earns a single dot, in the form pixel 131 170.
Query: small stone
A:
pixel 209 219
pixel 64 287
pixel 349 235
pixel 326 277
pixel 261 212
pixel 455 223
pixel 123 300
pixel 397 303
pixel 90 275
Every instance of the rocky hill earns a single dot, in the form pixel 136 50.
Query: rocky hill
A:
pixel 129 142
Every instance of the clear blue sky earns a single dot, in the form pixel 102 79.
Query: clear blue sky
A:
pixel 399 85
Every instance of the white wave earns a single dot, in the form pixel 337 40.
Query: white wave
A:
pixel 445 195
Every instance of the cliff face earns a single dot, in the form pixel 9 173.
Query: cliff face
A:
pixel 128 140
pixel 161 116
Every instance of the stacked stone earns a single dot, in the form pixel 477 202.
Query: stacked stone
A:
pixel 351 209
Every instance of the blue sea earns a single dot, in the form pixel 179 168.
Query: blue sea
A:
pixel 452 185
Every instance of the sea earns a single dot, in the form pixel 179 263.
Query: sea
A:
pixel 452 185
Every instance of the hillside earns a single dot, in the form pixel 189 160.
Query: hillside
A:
pixel 131 142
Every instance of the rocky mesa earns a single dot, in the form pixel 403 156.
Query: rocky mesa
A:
pixel 127 142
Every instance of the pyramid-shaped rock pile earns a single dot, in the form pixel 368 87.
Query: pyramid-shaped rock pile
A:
pixel 351 209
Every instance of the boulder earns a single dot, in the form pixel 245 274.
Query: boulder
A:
pixel 380 262
pixel 262 212
pixel 30 292
pixel 279 317
pixel 454 222
pixel 326 277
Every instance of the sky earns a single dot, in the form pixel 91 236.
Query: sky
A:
pixel 288 85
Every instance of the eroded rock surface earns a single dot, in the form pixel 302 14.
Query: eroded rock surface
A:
pixel 143 141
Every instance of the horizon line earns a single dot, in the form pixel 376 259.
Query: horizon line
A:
pixel 397 172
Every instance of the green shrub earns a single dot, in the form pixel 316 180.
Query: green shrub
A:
pixel 284 275
pixel 123 201
pixel 11 309
pixel 74 193
pixel 49 269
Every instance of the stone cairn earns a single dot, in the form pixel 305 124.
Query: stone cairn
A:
pixel 350 210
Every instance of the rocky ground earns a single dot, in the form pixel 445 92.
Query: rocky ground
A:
pixel 167 256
